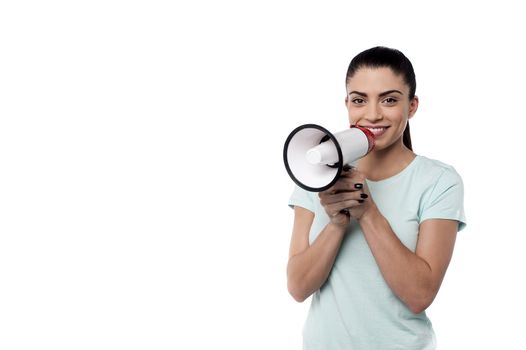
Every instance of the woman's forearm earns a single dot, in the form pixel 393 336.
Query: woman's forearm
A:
pixel 408 275
pixel 307 271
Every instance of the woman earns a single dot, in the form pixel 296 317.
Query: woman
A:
pixel 375 267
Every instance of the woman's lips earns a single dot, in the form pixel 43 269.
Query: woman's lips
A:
pixel 377 130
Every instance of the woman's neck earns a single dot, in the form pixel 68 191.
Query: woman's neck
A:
pixel 382 164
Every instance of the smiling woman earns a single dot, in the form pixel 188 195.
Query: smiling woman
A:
pixel 372 108
pixel 373 249
pixel 380 100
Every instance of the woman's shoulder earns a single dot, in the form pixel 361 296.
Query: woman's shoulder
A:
pixel 433 165
pixel 434 169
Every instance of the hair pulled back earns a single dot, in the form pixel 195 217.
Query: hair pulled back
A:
pixel 380 57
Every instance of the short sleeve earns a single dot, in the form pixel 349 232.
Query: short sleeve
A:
pixel 301 198
pixel 446 199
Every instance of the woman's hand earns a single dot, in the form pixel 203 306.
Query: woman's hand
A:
pixel 348 198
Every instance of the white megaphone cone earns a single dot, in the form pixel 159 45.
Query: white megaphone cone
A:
pixel 315 158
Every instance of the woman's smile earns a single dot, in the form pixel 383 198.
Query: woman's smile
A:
pixel 376 130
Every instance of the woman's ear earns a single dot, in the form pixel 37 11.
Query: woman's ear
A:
pixel 413 106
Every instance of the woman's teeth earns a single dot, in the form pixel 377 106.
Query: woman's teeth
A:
pixel 378 131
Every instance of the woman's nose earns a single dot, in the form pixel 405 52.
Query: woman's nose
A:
pixel 374 113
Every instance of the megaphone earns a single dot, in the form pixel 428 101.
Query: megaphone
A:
pixel 315 158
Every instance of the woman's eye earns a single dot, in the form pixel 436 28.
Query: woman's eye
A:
pixel 357 100
pixel 390 100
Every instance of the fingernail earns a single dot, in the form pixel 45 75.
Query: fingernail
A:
pixel 360 200
pixel 358 186
pixel 364 195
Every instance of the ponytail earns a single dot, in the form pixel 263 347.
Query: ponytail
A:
pixel 407 137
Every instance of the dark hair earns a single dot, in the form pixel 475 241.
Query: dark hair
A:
pixel 380 56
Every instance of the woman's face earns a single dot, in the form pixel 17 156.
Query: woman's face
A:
pixel 378 100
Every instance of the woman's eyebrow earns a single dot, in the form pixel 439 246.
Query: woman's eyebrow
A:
pixel 358 93
pixel 381 95
pixel 388 92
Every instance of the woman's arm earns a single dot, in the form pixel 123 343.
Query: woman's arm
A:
pixel 310 265
pixel 414 277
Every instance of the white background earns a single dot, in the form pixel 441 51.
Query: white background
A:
pixel 142 191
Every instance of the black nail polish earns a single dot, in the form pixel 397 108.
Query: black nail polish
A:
pixel 358 186
pixel 364 195
pixel 360 200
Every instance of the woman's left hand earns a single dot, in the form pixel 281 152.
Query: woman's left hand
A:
pixel 357 180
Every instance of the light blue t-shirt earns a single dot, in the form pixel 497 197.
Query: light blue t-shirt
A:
pixel 355 308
